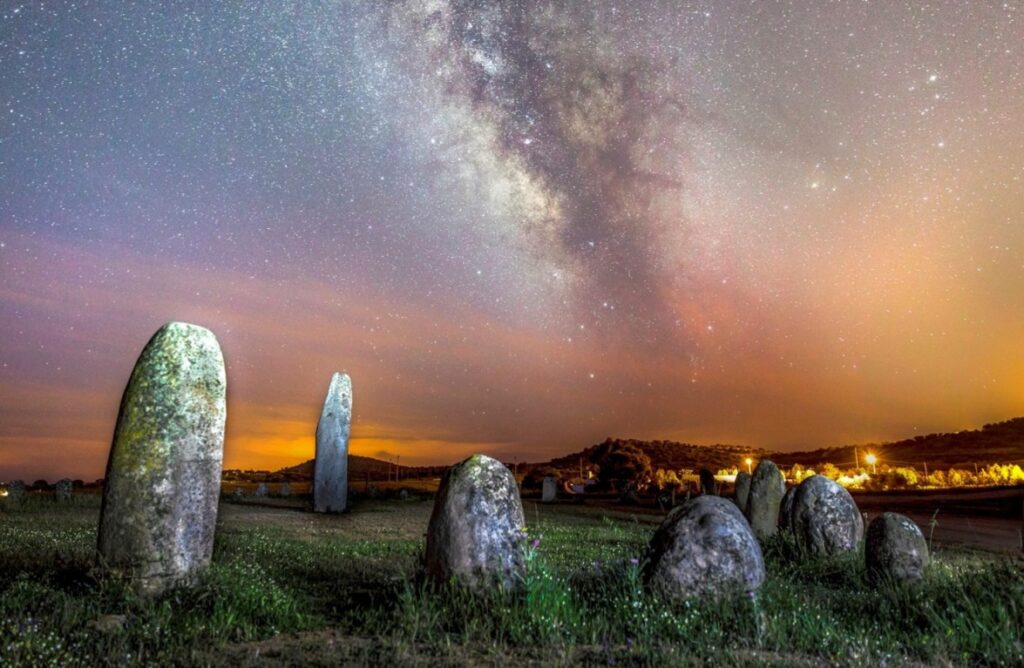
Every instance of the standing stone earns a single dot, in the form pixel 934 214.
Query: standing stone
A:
pixel 239 492
pixel 284 490
pixel 330 469
pixel 895 549
pixel 786 509
pixel 262 489
pixel 704 546
pixel 825 518
pixel 766 489
pixel 15 490
pixel 476 530
pixel 742 489
pixel 549 489
pixel 63 490
pixel 163 477
pixel 707 482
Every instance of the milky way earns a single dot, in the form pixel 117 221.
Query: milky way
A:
pixel 520 227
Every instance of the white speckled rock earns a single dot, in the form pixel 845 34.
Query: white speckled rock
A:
pixel 895 549
pixel 330 468
pixel 825 518
pixel 163 476
pixel 704 547
pixel 549 489
pixel 766 489
pixel 475 535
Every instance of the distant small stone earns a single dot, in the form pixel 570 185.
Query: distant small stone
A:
pixel 403 494
pixel 767 487
pixel 786 508
pixel 895 549
pixel 330 468
pixel 262 490
pixel 708 484
pixel 704 547
pixel 108 623
pixel 284 490
pixel 163 477
pixel 549 489
pixel 476 530
pixel 63 490
pixel 742 489
pixel 239 492
pixel 825 518
pixel 15 490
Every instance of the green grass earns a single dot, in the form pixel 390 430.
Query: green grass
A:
pixel 315 590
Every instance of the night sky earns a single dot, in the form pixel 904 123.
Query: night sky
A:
pixel 520 228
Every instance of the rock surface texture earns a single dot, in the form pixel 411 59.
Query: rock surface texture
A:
pixel 825 518
pixel 330 469
pixel 476 530
pixel 704 547
pixel 549 489
pixel 767 487
pixel 742 489
pixel 895 549
pixel 163 475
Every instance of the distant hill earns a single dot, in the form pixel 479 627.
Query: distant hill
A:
pixel 363 468
pixel 998 443
pixel 664 455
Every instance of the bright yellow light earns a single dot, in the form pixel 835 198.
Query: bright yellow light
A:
pixel 3 492
pixel 748 461
pixel 871 459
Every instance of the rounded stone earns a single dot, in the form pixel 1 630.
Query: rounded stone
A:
pixel 284 490
pixel 704 547
pixel 63 490
pixel 895 549
pixel 767 487
pixel 549 489
pixel 163 476
pixel 476 532
pixel 742 489
pixel 786 508
pixel 825 519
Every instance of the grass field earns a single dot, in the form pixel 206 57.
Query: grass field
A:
pixel 291 588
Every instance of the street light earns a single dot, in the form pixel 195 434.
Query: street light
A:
pixel 871 459
pixel 749 461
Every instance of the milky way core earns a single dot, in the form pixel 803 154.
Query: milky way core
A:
pixel 520 227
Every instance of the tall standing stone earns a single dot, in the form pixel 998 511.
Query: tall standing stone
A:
pixel 704 547
pixel 476 530
pixel 895 549
pixel 549 489
pixel 708 485
pixel 766 489
pixel 163 476
pixel 742 489
pixel 825 518
pixel 330 468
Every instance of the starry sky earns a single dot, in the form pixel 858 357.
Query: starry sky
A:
pixel 521 227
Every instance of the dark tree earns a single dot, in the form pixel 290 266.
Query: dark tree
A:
pixel 622 465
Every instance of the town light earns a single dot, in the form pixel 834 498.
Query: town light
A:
pixel 749 461
pixel 871 459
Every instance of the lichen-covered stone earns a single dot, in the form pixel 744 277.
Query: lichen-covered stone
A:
pixel 476 530
pixel 63 490
pixel 163 475
pixel 330 468
pixel 742 489
pixel 895 549
pixel 549 489
pixel 786 509
pixel 704 547
pixel 767 487
pixel 825 518
pixel 708 484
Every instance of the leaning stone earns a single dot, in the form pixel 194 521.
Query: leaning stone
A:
pixel 708 485
pixel 895 549
pixel 786 508
pixel 549 489
pixel 330 469
pixel 262 490
pixel 476 531
pixel 766 489
pixel 163 476
pixel 825 518
pixel 63 490
pixel 742 489
pixel 284 490
pixel 704 547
